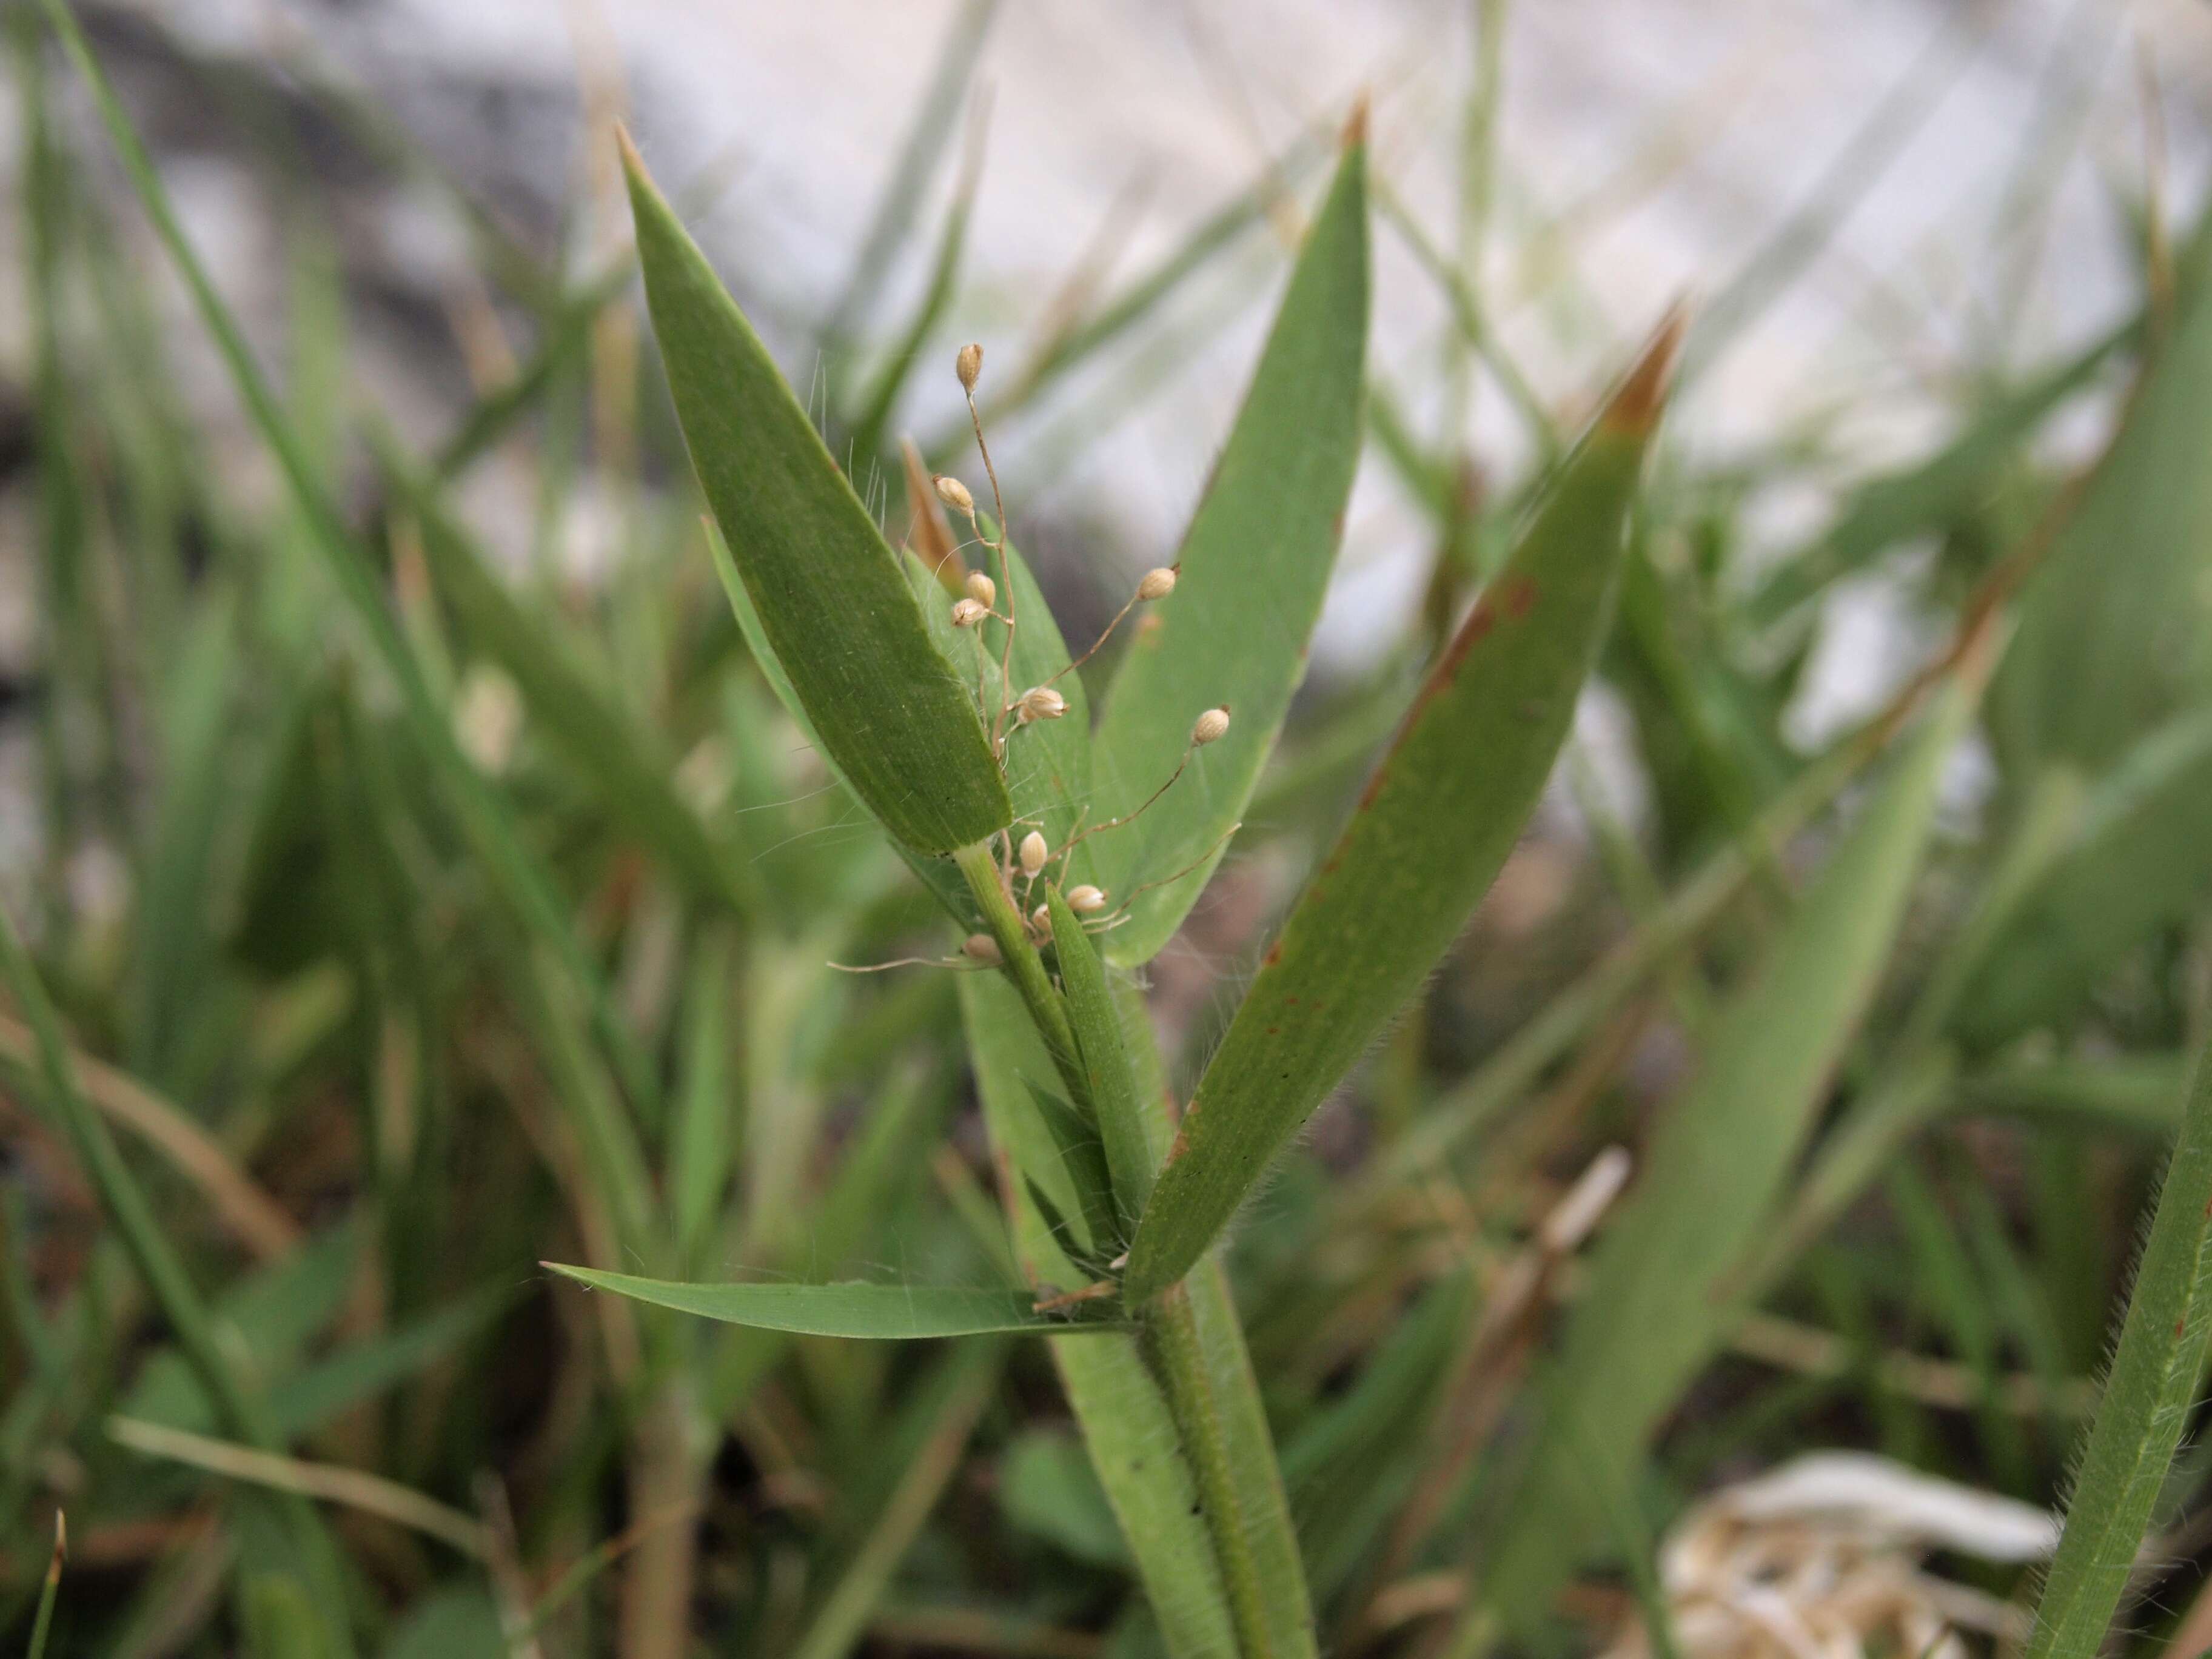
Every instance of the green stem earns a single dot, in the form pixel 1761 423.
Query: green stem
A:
pixel 1023 964
pixel 1179 1360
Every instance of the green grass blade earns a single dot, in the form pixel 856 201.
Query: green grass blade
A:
pixel 1887 511
pixel 1127 1427
pixel 1439 818
pixel 2138 859
pixel 148 1245
pixel 2115 630
pixel 965 1380
pixel 871 427
pixel 1134 1136
pixel 887 1312
pixel 1710 1179
pixel 2147 1401
pixel 42 1626
pixel 1075 344
pixel 520 877
pixel 923 149
pixel 701 1150
pixel 1255 565
pixel 629 775
pixel 829 593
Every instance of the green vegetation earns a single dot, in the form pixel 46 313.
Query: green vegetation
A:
pixel 633 1119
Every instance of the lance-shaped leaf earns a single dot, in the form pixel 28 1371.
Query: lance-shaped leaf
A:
pixel 2115 630
pixel 896 1312
pixel 2147 1402
pixel 1255 565
pixel 1659 1297
pixel 1439 817
pixel 827 588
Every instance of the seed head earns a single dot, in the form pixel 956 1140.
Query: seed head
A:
pixel 954 493
pixel 1033 853
pixel 1157 584
pixel 981 947
pixel 982 589
pixel 968 366
pixel 966 613
pixel 1043 703
pixel 1041 918
pixel 1085 899
pixel 1211 725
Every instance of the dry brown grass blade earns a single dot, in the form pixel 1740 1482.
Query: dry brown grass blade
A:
pixel 257 1220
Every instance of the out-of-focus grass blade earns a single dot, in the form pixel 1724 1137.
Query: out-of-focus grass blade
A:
pixel 829 593
pixel 312 1398
pixel 872 425
pixel 1439 816
pixel 199 741
pixel 955 1397
pixel 1068 348
pixel 143 1238
pixel 1254 564
pixel 2138 858
pixel 1127 1427
pixel 1843 184
pixel 700 1145
pixel 280 1618
pixel 1892 509
pixel 564 337
pixel 630 777
pixel 891 1312
pixel 1650 1317
pixel 893 220
pixel 1352 1463
pixel 2138 1092
pixel 522 879
pixel 42 1624
pixel 2115 630
pixel 2147 1397
pixel 1048 1488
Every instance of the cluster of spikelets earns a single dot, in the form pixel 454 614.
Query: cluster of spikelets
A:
pixel 1023 863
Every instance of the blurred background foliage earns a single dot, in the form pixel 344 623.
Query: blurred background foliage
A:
pixel 320 778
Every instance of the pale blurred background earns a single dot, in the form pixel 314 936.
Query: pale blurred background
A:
pixel 1880 198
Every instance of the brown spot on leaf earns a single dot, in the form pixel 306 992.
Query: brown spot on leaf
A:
pixel 1521 598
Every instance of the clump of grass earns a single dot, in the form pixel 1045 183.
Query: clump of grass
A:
pixel 911 1308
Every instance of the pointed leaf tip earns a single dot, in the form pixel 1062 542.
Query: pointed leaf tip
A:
pixel 1635 408
pixel 1355 123
pixel 632 161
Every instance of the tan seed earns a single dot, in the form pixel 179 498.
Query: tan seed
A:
pixel 1033 853
pixel 1042 704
